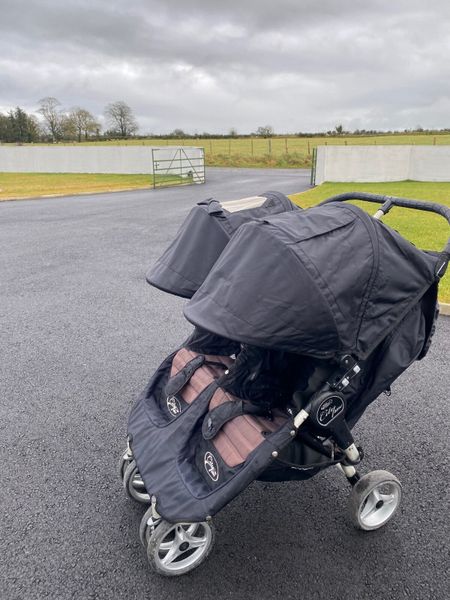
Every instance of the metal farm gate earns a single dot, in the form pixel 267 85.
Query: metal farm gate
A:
pixel 178 166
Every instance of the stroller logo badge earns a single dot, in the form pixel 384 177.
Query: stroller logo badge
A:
pixel 329 410
pixel 211 466
pixel 174 406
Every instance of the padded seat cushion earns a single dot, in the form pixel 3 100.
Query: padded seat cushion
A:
pixel 203 376
pixel 240 436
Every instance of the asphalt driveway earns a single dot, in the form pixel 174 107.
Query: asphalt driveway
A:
pixel 81 333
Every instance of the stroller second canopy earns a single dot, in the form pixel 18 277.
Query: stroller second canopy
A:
pixel 323 282
pixel 202 237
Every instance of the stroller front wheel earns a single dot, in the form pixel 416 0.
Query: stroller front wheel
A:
pixel 133 484
pixel 176 549
pixel 147 526
pixel 374 500
pixel 125 458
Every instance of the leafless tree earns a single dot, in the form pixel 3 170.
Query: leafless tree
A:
pixel 67 128
pixel 178 133
pixel 121 119
pixel 84 122
pixel 265 131
pixel 49 109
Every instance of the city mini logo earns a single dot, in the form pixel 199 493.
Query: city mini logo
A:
pixel 329 410
pixel 173 405
pixel 211 466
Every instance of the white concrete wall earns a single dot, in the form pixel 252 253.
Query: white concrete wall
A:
pixel 382 163
pixel 85 159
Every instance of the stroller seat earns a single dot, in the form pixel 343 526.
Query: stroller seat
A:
pixel 239 436
pixel 243 434
pixel 212 368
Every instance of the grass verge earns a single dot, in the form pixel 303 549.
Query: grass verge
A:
pixel 31 185
pixel 426 230
pixel 294 160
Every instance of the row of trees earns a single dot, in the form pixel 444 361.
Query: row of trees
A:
pixel 267 131
pixel 80 123
pixel 264 131
pixel 57 124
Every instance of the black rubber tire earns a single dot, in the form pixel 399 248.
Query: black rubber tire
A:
pixel 137 493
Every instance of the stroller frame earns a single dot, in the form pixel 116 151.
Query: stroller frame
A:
pixel 176 548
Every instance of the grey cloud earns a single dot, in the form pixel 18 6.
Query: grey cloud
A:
pixel 209 65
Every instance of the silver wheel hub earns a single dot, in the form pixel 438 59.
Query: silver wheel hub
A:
pixel 182 546
pixel 379 504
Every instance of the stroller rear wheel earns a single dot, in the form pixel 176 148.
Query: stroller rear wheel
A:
pixel 133 484
pixel 176 549
pixel 374 500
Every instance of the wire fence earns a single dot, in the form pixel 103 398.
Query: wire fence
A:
pixel 277 151
pixel 257 146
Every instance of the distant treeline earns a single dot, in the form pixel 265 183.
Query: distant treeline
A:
pixel 57 124
pixel 78 124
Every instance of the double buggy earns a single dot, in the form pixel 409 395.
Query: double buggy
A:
pixel 301 319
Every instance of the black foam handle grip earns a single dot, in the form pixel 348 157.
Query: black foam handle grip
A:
pixel 434 207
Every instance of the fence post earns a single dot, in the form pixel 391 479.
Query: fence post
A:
pixel 309 149
pixel 313 167
pixel 210 146
pixel 286 145
pixel 153 168
pixel 252 145
pixel 229 147
pixel 270 145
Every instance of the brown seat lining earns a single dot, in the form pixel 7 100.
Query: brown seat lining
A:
pixel 240 436
pixel 202 376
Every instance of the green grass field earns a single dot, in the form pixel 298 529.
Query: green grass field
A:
pixel 285 152
pixel 30 185
pixel 426 230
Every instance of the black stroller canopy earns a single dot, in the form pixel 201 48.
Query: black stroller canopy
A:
pixel 326 281
pixel 201 239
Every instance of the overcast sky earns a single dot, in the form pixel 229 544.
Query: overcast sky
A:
pixel 209 65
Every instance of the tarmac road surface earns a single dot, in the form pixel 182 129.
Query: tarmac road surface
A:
pixel 81 333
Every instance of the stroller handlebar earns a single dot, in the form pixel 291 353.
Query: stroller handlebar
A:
pixel 388 202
